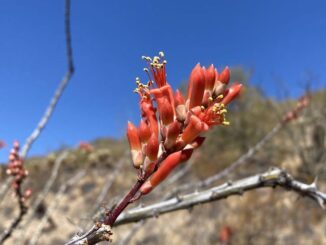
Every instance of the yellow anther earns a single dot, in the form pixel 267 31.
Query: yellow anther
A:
pixel 221 96
pixel 156 59
pixel 223 111
pixel 227 123
pixel 202 108
pixel 161 54
pixel 210 99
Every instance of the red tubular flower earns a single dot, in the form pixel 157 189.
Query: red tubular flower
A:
pixel 172 134
pixel 135 146
pixel 180 108
pixel 224 77
pixel 165 108
pixel 152 147
pixel 144 131
pixel 210 77
pixel 197 142
pixel 149 113
pixel 165 169
pixel 196 86
pixel 194 128
pixel 231 93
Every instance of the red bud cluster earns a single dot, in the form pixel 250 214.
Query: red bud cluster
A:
pixel 293 114
pixel 172 123
pixel 16 169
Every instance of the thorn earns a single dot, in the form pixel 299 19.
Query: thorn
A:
pixel 314 183
pixel 178 197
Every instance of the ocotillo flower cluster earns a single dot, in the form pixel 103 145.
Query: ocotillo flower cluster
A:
pixel 170 122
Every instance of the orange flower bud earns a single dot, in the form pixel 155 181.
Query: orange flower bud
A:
pixel 149 114
pixel 209 77
pixel 133 137
pixel 135 146
pixel 144 131
pixel 152 147
pixel 198 142
pixel 193 129
pixel 206 97
pixel 231 93
pixel 196 86
pixel 165 108
pixel 219 88
pixel 165 169
pixel 173 132
pixel 178 98
pixel 224 77
pixel 167 91
pixel 180 108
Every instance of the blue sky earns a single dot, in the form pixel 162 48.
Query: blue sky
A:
pixel 277 39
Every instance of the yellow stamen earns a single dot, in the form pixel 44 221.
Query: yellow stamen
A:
pixel 221 96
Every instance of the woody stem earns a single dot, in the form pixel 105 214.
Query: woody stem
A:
pixel 127 199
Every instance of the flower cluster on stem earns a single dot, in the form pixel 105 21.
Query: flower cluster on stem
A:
pixel 172 124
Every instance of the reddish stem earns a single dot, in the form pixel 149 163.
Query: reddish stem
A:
pixel 127 199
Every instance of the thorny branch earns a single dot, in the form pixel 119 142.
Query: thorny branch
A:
pixel 272 178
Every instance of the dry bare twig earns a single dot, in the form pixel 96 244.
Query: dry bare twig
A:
pixel 54 204
pixel 40 197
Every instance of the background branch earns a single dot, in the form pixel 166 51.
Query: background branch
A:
pixel 272 178
pixel 58 93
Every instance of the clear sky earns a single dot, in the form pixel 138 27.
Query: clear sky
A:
pixel 277 39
